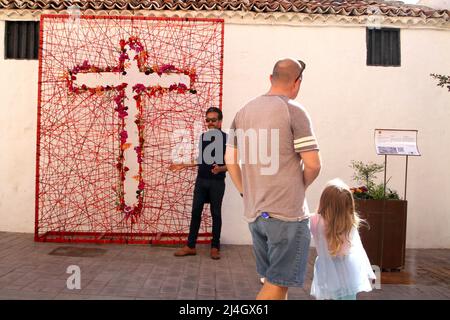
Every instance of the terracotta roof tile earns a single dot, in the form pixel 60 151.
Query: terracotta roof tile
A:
pixel 334 7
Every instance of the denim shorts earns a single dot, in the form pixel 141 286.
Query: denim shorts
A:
pixel 281 250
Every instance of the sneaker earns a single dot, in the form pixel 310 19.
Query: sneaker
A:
pixel 215 254
pixel 262 280
pixel 185 251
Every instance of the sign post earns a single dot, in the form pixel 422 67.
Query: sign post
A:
pixel 396 142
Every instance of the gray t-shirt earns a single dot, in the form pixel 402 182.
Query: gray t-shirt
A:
pixel 269 133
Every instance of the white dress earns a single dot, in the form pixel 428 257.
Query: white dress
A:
pixel 343 275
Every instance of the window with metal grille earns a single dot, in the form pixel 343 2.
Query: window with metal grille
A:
pixel 21 40
pixel 383 47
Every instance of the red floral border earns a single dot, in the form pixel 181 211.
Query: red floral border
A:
pixel 141 57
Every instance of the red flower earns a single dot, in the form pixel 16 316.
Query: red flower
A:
pixel 122 44
pixel 165 68
pixel 123 136
pixel 138 88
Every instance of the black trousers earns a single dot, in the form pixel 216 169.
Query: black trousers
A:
pixel 207 190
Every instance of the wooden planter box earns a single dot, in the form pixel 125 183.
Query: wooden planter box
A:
pixel 385 241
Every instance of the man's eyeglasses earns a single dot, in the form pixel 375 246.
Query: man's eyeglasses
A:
pixel 211 120
pixel 303 66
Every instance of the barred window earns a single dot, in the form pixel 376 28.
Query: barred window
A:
pixel 383 47
pixel 21 40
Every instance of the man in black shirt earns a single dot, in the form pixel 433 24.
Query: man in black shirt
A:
pixel 210 183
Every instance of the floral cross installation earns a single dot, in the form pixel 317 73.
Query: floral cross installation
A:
pixel 138 67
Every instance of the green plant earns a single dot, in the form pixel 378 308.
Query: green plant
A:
pixel 365 174
pixel 377 193
pixel 443 80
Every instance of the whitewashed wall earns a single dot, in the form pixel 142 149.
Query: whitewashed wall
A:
pixel 346 99
pixel 18 123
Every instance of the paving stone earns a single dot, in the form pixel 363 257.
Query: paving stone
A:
pixel 153 283
pixel 27 271
pixel 148 293
pixel 226 296
pixel 119 291
pixel 202 297
pixel 206 291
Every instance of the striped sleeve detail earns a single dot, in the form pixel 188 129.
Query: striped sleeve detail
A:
pixel 232 137
pixel 306 143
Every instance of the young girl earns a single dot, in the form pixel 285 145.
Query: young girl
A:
pixel 342 268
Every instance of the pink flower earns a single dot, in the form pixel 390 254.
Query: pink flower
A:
pixel 122 114
pixel 123 56
pixel 182 88
pixel 127 209
pixel 121 87
pixel 123 136
pixel 165 68
pixel 138 88
pixel 118 99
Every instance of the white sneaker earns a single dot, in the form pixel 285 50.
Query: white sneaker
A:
pixel 262 280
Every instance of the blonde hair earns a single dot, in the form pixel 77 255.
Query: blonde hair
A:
pixel 337 208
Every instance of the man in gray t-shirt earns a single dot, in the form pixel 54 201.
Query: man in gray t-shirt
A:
pixel 273 137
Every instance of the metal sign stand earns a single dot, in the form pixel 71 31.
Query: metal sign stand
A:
pixel 399 143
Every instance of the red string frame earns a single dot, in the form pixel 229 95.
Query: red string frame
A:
pixel 80 167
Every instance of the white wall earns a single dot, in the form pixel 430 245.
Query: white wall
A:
pixel 435 4
pixel 346 99
pixel 18 123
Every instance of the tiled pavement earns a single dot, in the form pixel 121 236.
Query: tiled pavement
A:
pixel 27 271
